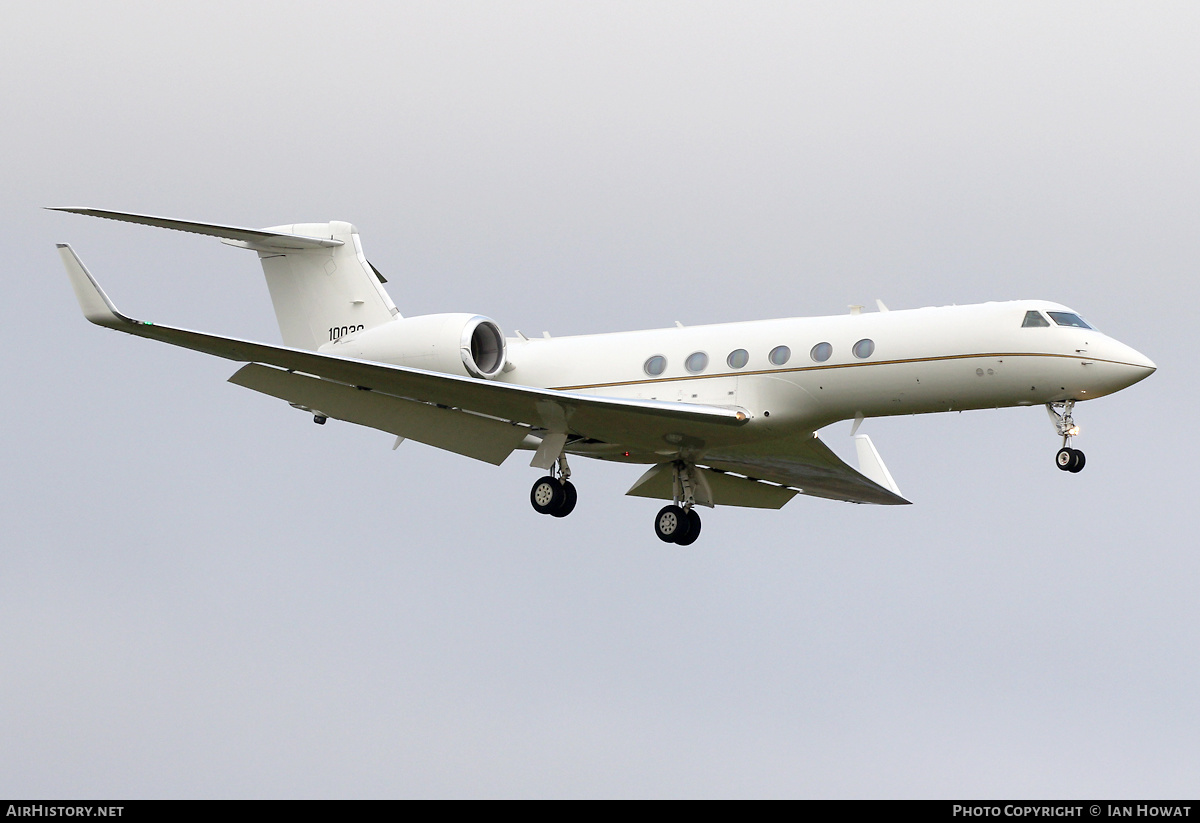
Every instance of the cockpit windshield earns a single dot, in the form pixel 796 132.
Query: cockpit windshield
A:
pixel 1034 319
pixel 1066 318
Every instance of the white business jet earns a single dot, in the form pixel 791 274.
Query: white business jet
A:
pixel 723 415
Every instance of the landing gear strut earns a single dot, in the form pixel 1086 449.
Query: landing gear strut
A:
pixel 554 494
pixel 1067 459
pixel 679 523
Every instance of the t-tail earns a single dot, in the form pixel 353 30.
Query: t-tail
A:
pixel 321 284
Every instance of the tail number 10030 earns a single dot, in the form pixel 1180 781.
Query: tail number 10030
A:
pixel 341 331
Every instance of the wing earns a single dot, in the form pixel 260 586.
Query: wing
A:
pixel 713 488
pixel 479 418
pixel 807 464
pixel 768 476
pixel 471 435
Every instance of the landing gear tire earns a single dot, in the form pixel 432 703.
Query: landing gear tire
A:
pixel 1078 463
pixel 548 495
pixel 1064 459
pixel 673 524
pixel 570 498
pixel 693 530
pixel 1070 460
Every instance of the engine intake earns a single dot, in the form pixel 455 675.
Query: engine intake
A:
pixel 483 349
pixel 464 344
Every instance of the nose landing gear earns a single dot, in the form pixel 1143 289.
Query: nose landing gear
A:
pixel 1067 459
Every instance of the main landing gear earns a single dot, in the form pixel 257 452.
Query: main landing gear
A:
pixel 676 524
pixel 679 523
pixel 1067 459
pixel 555 494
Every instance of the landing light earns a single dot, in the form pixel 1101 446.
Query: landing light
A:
pixel 1073 431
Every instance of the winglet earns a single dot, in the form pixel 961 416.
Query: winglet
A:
pixel 871 464
pixel 92 299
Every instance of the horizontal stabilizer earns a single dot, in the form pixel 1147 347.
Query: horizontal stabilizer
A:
pixel 257 238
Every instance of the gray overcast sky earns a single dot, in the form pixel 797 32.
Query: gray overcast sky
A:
pixel 203 594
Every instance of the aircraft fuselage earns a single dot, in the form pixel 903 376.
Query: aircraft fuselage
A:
pixel 917 361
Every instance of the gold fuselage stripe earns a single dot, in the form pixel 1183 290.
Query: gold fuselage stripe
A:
pixel 838 366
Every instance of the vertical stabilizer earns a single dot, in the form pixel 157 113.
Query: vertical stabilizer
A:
pixel 321 284
pixel 321 294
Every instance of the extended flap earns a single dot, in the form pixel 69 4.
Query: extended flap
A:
pixel 468 434
pixel 726 489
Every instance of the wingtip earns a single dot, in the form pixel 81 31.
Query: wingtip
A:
pixel 95 304
pixel 871 465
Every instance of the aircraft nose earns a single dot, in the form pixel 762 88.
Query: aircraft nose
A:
pixel 1141 361
pixel 1135 366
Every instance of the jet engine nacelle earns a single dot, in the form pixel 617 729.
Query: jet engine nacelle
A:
pixel 464 344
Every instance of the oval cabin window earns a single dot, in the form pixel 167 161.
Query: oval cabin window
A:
pixel 864 348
